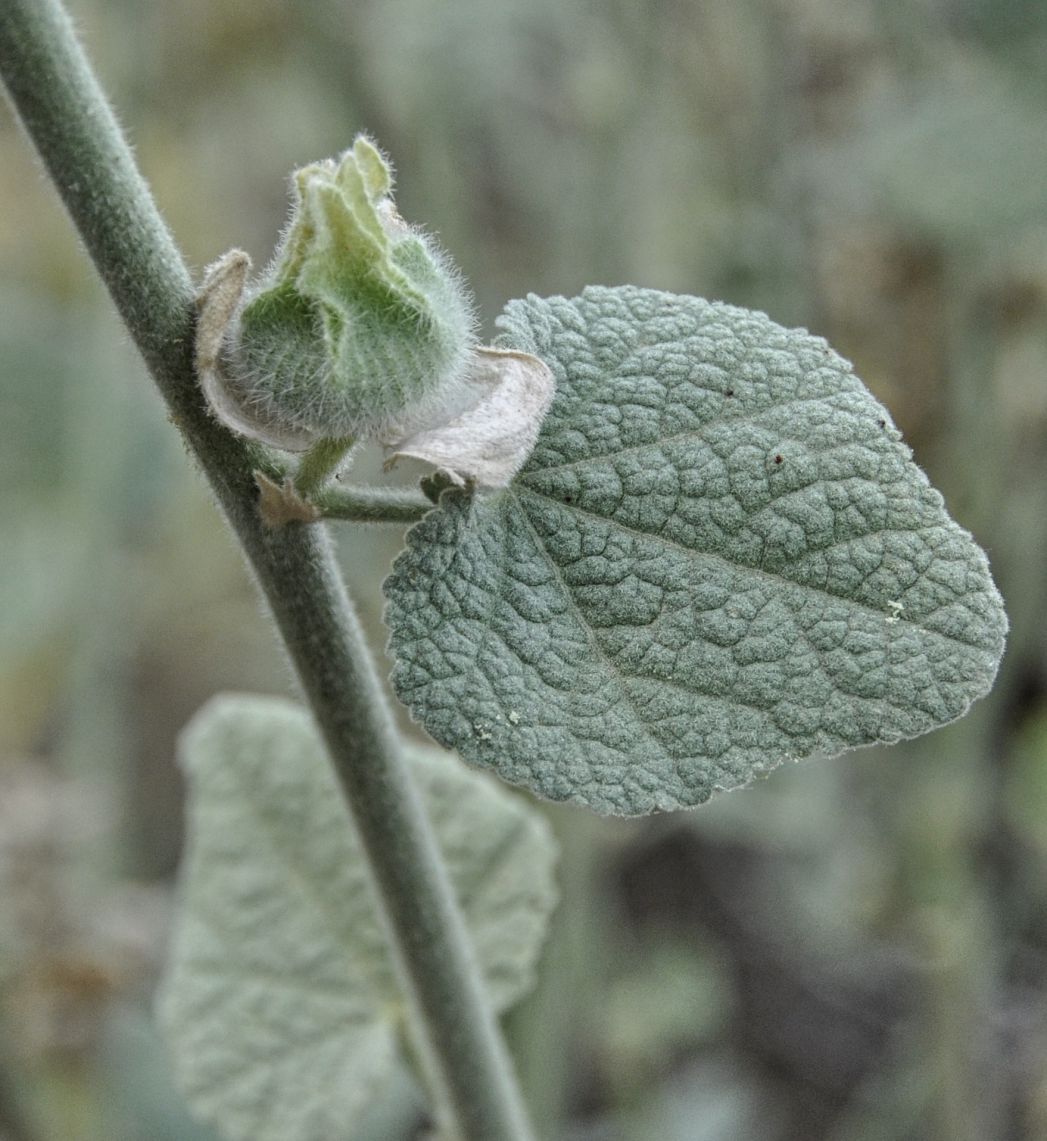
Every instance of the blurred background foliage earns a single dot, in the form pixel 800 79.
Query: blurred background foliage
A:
pixel 854 950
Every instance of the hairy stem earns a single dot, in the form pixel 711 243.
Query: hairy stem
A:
pixel 66 115
pixel 319 463
pixel 371 504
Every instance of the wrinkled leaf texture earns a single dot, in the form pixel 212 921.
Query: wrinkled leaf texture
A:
pixel 720 556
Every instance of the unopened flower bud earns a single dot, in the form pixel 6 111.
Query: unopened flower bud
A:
pixel 360 328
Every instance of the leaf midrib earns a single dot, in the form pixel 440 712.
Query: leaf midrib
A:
pixel 778 581
pixel 616 674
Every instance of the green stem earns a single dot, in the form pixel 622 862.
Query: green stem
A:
pixel 319 462
pixel 371 504
pixel 66 115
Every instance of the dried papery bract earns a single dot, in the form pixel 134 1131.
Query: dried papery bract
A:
pixel 488 442
pixel 219 301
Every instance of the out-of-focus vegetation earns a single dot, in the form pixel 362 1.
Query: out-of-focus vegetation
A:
pixel 853 950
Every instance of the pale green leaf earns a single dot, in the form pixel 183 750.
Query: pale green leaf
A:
pixel 719 557
pixel 279 1001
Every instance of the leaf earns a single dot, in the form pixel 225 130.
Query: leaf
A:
pixel 718 557
pixel 279 1000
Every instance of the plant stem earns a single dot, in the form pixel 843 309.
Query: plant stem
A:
pixel 371 504
pixel 66 115
pixel 320 462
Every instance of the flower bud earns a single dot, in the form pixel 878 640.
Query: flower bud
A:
pixel 361 327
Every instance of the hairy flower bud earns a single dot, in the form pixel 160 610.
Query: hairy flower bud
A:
pixel 361 327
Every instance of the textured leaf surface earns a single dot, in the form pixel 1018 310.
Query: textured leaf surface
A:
pixel 718 557
pixel 279 1002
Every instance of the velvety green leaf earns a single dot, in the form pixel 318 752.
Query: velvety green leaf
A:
pixel 279 1001
pixel 720 556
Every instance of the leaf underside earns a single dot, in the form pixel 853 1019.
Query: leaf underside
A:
pixel 719 557
pixel 279 1002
